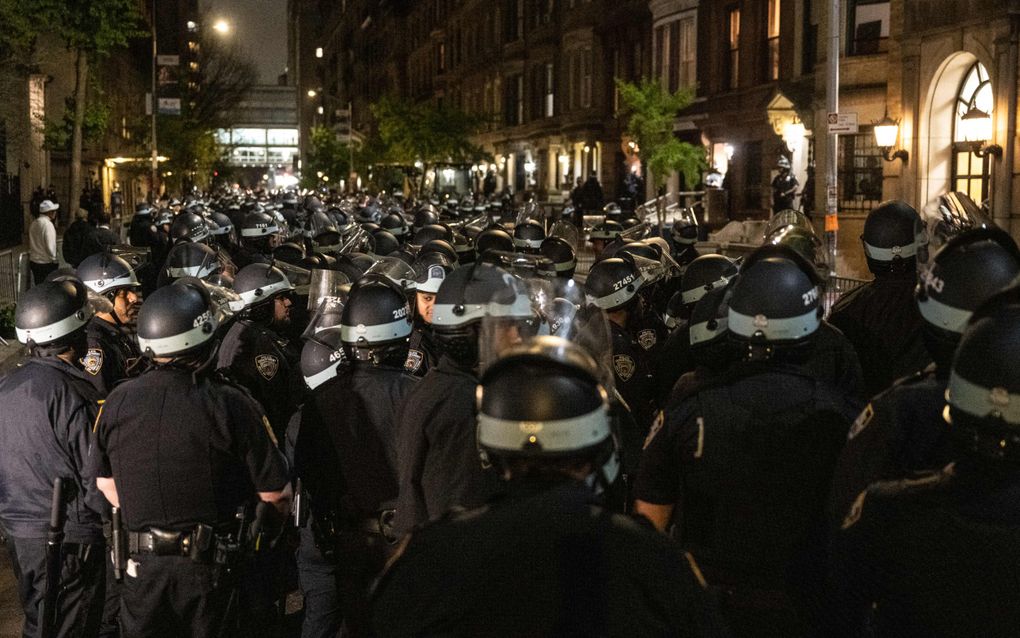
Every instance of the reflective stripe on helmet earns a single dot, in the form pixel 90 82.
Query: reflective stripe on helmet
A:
pixel 561 435
pixel 621 296
pixel 564 266
pixel 695 294
pixel 45 334
pixel 375 334
pixel 943 315
pixel 181 342
pixel 773 329
pixel 445 315
pixel 700 332
pixel 323 376
pixel 520 242
pixel 102 285
pixel 200 271
pixel 260 231
pixel 888 254
pixel 264 293
pixel 982 402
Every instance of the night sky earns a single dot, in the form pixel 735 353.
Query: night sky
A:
pixel 260 26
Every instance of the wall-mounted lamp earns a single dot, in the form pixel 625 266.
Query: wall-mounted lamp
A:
pixel 976 127
pixel 887 131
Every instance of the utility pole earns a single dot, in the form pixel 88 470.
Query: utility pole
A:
pixel 831 192
pixel 154 103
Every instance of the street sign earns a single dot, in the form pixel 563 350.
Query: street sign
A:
pixel 843 123
pixel 168 60
pixel 169 106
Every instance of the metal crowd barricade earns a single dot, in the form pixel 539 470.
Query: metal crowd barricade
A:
pixel 837 287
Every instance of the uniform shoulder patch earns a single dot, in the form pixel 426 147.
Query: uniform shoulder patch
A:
pixel 647 339
pixel 93 361
pixel 414 360
pixel 624 366
pixel 863 419
pixel 267 365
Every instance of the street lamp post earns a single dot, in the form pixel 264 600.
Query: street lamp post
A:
pixel 154 106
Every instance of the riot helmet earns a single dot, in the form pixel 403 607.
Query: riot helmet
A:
pixel 889 237
pixel 258 284
pixel 105 273
pixel 775 304
pixel 189 226
pixel 190 260
pixel 376 323
pixel 541 409
pixel 613 283
pixel 703 275
pixel 53 314
pixel 964 273
pixel 395 224
pixel 322 356
pixel 177 320
pixel 983 393
pixel 562 256
pixel 494 238
pixel 528 236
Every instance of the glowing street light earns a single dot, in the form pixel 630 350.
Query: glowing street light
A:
pixel 221 26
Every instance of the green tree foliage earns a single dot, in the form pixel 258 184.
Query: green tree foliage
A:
pixel 422 132
pixel 17 33
pixel 326 154
pixel 650 111
pixel 90 29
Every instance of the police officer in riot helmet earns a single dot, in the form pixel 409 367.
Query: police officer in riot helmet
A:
pixel 684 233
pixel 602 234
pixel 901 432
pixel 253 352
pixel 49 407
pixel 493 239
pixel 189 226
pixel 829 356
pixel 314 463
pixel 142 231
pixel 561 254
pixel 515 566
pixel 180 481
pixel 439 461
pixel 938 553
pixel 260 234
pixel 704 275
pixel 112 349
pixel 613 285
pixel 357 411
pixel 188 259
pixel 528 236
pixel 746 457
pixel 881 318
pixel 423 353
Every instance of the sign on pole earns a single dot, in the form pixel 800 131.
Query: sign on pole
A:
pixel 843 124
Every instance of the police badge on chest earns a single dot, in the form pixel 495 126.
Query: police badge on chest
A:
pixel 92 361
pixel 267 365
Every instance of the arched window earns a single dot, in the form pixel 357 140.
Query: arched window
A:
pixel 969 172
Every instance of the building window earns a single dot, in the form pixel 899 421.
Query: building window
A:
pixel 687 65
pixel 810 48
pixel 860 172
pixel 586 71
pixel 550 89
pixel 733 52
pixel 868 22
pixel 663 58
pixel 514 109
pixel 441 58
pixel 318 52
pixel 773 39
pixel 970 173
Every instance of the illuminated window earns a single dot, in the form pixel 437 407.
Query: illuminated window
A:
pixel 733 54
pixel 970 173
pixel 773 39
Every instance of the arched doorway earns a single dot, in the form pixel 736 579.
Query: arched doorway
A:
pixel 941 159
pixel 970 173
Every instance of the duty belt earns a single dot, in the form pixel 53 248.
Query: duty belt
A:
pixel 197 543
